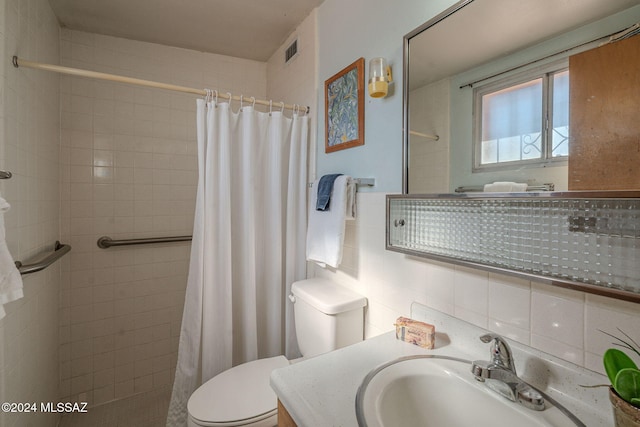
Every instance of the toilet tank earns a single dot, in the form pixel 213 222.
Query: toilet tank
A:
pixel 327 316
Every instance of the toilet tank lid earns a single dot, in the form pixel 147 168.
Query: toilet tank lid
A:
pixel 327 296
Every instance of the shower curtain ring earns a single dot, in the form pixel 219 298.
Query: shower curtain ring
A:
pixel 216 91
pixel 241 99
pixel 270 106
pixel 253 101
pixel 229 97
pixel 282 107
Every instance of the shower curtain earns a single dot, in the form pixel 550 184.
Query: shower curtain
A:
pixel 248 244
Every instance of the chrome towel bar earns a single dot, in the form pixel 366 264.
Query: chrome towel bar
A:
pixel 105 242
pixel 366 182
pixel 59 250
pixel 480 188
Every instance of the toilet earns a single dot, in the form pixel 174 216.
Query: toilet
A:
pixel 327 316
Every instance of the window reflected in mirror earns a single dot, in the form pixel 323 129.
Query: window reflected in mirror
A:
pixel 523 120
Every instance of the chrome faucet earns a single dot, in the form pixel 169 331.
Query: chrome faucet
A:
pixel 499 374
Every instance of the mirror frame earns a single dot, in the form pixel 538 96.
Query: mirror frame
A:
pixel 405 84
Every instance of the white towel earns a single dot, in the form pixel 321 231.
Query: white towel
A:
pixel 505 187
pixel 325 231
pixel 10 278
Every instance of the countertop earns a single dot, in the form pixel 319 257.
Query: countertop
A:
pixel 321 391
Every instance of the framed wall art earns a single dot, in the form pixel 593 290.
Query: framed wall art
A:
pixel 344 108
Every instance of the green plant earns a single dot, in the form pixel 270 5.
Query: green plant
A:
pixel 621 370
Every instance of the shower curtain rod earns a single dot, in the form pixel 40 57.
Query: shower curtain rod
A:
pixel 19 62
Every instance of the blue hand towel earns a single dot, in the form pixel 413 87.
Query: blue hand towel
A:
pixel 325 186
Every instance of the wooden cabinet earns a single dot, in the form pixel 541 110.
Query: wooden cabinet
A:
pixel 604 149
pixel 284 419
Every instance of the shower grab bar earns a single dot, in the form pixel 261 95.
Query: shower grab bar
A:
pixel 105 242
pixel 58 251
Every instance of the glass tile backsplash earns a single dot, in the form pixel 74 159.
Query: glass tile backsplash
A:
pixel 592 241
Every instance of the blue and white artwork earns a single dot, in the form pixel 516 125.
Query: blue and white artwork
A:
pixel 342 109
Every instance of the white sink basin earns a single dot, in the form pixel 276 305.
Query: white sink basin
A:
pixel 438 391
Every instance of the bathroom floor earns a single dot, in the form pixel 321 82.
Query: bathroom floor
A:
pixel 143 410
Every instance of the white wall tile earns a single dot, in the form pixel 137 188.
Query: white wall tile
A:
pixel 557 317
pixel 471 290
pixel 508 330
pixel 510 301
pixel 559 349
pixel 29 110
pixel 611 316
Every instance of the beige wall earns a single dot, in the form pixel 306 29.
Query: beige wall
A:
pixel 130 170
pixel 29 148
pixel 296 81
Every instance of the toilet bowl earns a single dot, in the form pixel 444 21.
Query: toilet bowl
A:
pixel 240 396
pixel 328 316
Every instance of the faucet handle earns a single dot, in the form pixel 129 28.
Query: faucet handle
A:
pixel 500 351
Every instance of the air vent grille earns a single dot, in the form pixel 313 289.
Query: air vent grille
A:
pixel 291 51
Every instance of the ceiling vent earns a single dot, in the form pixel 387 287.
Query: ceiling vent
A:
pixel 291 51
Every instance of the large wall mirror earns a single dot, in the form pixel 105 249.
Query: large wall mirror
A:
pixel 464 69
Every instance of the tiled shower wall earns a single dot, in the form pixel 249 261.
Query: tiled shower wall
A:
pixel 29 144
pixel 129 170
pixel 429 114
pixel 558 321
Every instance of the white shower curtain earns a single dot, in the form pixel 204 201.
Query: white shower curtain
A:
pixel 248 244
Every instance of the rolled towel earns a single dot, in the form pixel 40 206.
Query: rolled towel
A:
pixel 505 187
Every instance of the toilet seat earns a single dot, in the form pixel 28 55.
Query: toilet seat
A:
pixel 240 396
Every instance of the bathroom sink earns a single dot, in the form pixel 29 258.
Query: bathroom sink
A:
pixel 439 391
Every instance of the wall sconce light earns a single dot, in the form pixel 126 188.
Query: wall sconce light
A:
pixel 379 78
